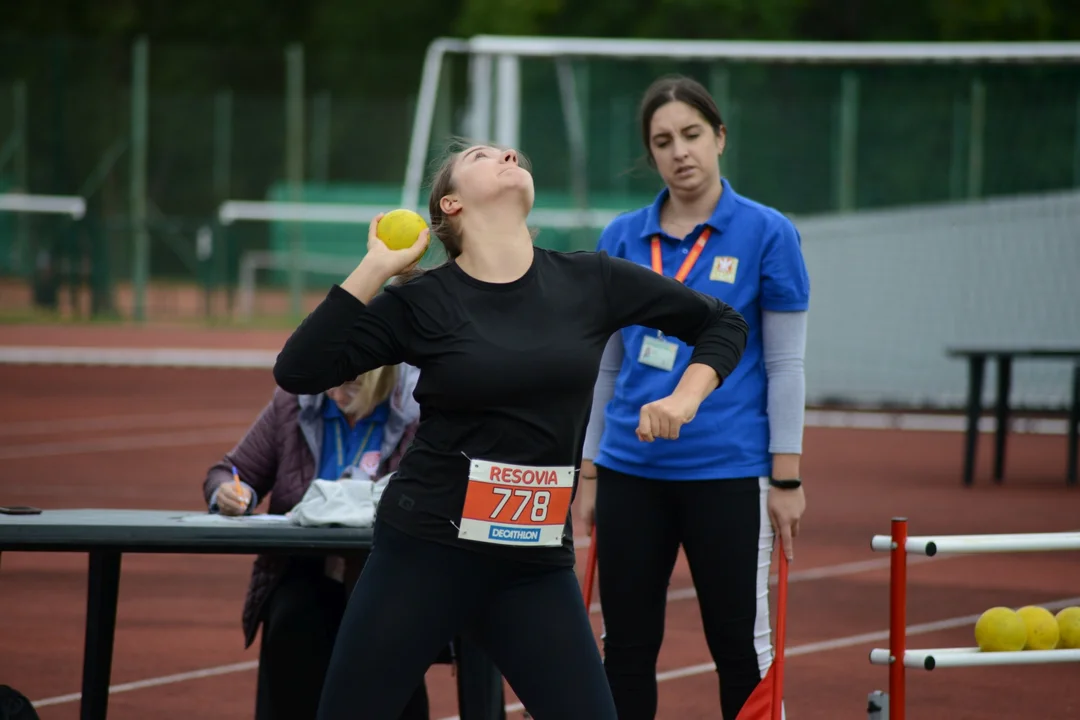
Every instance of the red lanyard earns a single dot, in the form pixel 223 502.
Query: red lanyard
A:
pixel 688 263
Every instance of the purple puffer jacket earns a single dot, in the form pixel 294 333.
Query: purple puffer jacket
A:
pixel 277 457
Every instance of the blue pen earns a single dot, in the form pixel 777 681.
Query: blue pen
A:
pixel 239 488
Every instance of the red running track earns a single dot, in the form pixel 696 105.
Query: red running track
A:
pixel 142 438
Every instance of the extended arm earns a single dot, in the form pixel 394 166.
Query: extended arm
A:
pixel 341 339
pixel 716 331
pixel 355 328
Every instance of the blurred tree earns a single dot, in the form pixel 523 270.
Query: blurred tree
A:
pixel 250 21
pixel 410 24
pixel 222 62
pixel 511 17
pixel 995 20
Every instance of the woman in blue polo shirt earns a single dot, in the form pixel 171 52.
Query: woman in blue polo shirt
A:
pixel 731 478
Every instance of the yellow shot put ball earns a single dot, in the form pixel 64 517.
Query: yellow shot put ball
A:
pixel 1068 622
pixel 399 228
pixel 1042 627
pixel 1000 629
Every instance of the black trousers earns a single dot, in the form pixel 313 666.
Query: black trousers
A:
pixel 724 528
pixel 529 619
pixel 301 621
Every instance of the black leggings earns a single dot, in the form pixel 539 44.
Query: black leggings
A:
pixel 724 528
pixel 414 595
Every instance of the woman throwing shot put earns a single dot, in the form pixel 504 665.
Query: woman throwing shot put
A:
pixel 473 533
pixel 732 475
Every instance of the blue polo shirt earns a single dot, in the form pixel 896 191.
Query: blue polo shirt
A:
pixel 343 446
pixel 752 261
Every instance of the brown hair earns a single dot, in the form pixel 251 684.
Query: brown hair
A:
pixel 409 273
pixel 683 89
pixel 442 184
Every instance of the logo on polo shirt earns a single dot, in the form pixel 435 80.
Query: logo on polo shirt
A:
pixel 724 269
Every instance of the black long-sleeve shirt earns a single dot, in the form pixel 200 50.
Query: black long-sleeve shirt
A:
pixel 506 369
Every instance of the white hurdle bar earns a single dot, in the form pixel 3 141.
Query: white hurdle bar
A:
pixel 931 545
pixel 930 658
pixel 51 204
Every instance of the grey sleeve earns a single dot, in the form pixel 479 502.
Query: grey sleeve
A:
pixel 603 391
pixel 784 339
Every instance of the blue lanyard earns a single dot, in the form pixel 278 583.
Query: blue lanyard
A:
pixel 341 449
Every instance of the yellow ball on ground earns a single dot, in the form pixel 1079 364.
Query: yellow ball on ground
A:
pixel 399 228
pixel 1042 627
pixel 1068 622
pixel 1000 629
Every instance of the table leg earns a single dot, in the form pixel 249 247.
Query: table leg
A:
pixel 103 589
pixel 1074 428
pixel 976 369
pixel 1004 383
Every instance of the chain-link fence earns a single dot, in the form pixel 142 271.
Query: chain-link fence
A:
pixel 155 141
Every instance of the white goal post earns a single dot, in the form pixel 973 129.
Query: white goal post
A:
pixel 45 204
pixel 502 53
pixel 232 211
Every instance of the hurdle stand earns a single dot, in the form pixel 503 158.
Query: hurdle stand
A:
pixel 898 657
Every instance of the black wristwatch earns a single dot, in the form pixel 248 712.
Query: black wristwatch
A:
pixel 785 484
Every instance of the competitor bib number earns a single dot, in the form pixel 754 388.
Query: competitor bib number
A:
pixel 516 504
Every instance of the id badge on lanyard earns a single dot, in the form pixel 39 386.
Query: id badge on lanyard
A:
pixel 656 351
pixel 356 460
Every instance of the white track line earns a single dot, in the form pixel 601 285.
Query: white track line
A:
pixel 155 682
pixel 126 422
pixel 867 420
pixel 126 442
pixel 140 357
pixel 824 571
pixel 827 645
pixel 818 573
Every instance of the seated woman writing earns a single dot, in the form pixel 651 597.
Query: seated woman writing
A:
pixel 359 429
